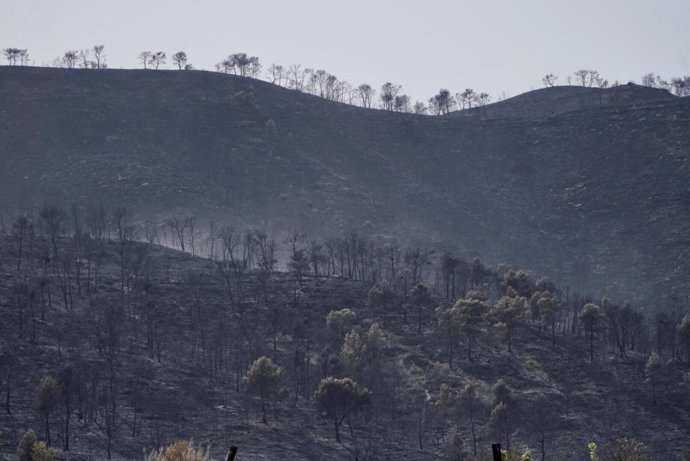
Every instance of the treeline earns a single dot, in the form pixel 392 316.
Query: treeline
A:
pixel 64 249
pixel 321 83
pixel 235 321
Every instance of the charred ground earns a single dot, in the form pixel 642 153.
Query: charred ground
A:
pixel 586 185
pixel 164 345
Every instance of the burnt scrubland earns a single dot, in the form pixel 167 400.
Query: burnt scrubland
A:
pixel 358 349
pixel 207 257
pixel 588 185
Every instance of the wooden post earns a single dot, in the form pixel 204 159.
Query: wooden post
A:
pixel 496 449
pixel 231 454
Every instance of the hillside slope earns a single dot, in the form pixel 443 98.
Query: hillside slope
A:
pixel 595 194
pixel 188 383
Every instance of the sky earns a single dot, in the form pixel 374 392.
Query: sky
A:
pixel 502 47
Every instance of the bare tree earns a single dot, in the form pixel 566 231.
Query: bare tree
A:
pixel 402 103
pixel 649 80
pixel 466 98
pixel 442 102
pixel 20 228
pixel 241 64
pixel 365 93
pixel 277 74
pixel 180 59
pixel 9 365
pixel 157 59
pixel 388 93
pixel 581 76
pixel 224 66
pixel 590 78
pixel 144 57
pixel 99 56
pixel 16 55
pixel 84 55
pixel 297 76
pixel 483 99
pixel 317 82
pixel 681 86
pixel 24 57
pixel 11 54
pixel 549 80
pixel 69 59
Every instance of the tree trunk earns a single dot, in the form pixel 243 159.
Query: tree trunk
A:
pixel 8 388
pixel 337 428
pixel 263 409
pixel 231 454
pixel 543 450
pixel 450 350
pixel 67 415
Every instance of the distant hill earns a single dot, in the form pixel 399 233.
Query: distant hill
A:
pixel 547 102
pixel 590 185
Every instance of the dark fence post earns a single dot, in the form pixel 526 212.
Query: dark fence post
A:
pixel 231 454
pixel 496 449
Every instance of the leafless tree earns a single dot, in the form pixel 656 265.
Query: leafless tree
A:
pixel 157 59
pixel 180 59
pixel 23 57
pixel 84 55
pixel 590 78
pixel 297 76
pixel 388 93
pixel 241 64
pixel 549 80
pixel 99 56
pixel 11 54
pixel 365 93
pixel 419 108
pixel 277 74
pixel 483 99
pixel 466 98
pixel 333 89
pixel 16 55
pixel 442 103
pixel 681 86
pixel 317 82
pixel 69 59
pixel 402 103
pixel 144 57
pixel 20 229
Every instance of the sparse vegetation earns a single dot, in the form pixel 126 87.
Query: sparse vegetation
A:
pixel 182 450
pixel 127 329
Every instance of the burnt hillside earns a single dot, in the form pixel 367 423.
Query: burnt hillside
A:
pixel 154 347
pixel 588 185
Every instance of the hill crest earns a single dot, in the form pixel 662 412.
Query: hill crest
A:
pixel 596 195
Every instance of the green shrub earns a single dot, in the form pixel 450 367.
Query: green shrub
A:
pixel 26 445
pixel 627 449
pixel 182 450
pixel 42 452
pixel 592 447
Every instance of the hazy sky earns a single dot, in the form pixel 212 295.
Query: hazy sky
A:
pixel 495 46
